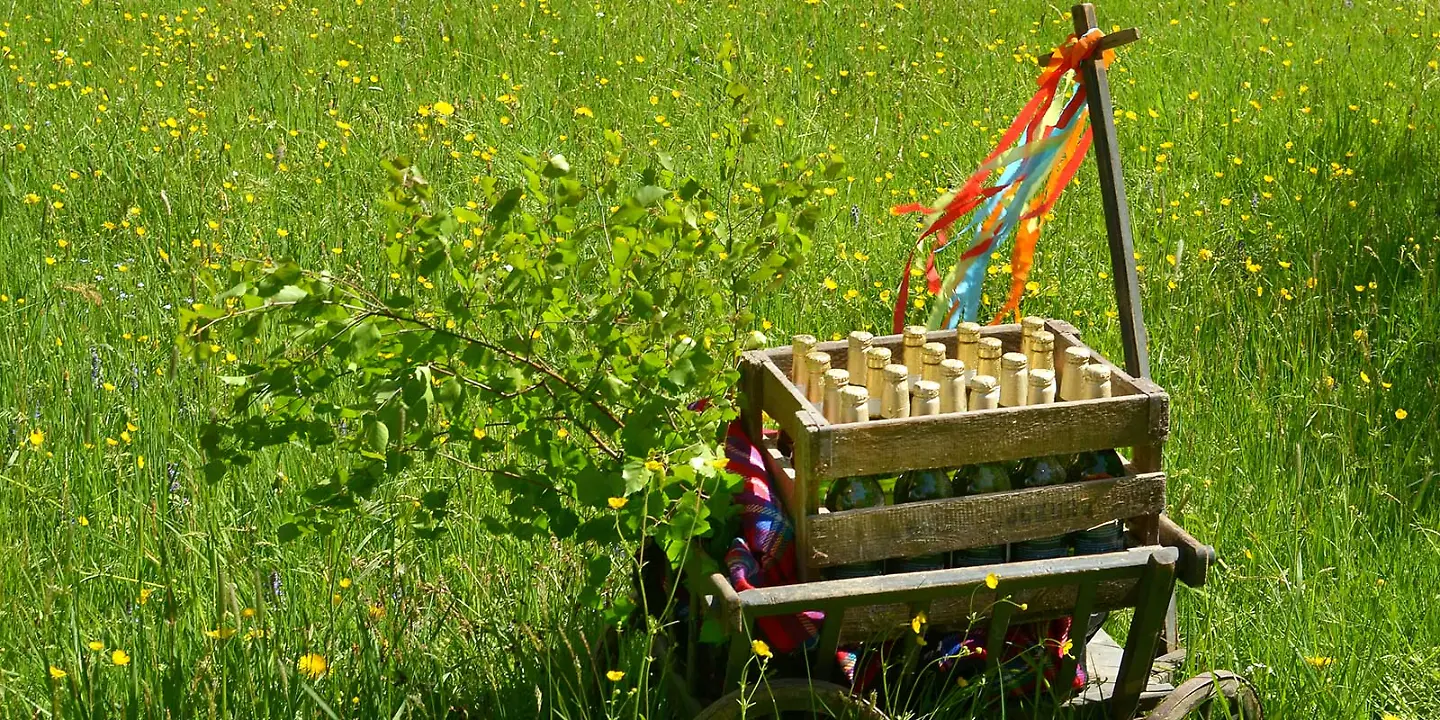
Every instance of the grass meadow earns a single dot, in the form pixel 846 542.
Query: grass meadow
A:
pixel 1283 164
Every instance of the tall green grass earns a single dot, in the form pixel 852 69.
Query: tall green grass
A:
pixel 1282 163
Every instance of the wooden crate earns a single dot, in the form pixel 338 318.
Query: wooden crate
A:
pixel 1136 417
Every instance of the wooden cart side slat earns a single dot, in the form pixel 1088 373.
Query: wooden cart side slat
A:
pixel 1195 556
pixel 781 399
pixel 1079 628
pixel 995 634
pixel 1157 584
pixel 938 441
pixel 782 473
pixel 915 587
pixel 922 528
pixel 967 611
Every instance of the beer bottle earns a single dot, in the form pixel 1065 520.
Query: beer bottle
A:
pixel 914 344
pixel 967 348
pixel 876 358
pixel 952 386
pixel 920 485
pixel 800 347
pixel 978 480
pixel 1096 465
pixel 1076 358
pixel 896 402
pixel 855 492
pixel 1039 472
pixel 1013 374
pixel 835 381
pixel 859 344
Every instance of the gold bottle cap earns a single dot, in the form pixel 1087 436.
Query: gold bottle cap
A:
pixel 854 404
pixel 862 337
pixel 1012 361
pixel 968 332
pixel 990 348
pixel 926 390
pixel 983 384
pixel 818 362
pixel 1041 378
pixel 802 345
pixel 933 353
pixel 914 335
pixel 952 368
pixel 837 378
pixel 1076 355
pixel 877 357
pixel 895 372
pixel 1032 324
pixel 1043 341
pixel 1096 373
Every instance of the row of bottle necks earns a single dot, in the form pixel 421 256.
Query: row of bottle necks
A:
pixel 922 485
pixel 926 382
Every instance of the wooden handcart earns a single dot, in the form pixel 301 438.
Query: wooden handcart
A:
pixel 1124 679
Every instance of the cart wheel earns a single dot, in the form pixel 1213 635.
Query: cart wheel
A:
pixel 1221 695
pixel 792 698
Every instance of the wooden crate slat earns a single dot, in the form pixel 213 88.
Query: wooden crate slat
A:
pixel 870 623
pixel 782 399
pixel 922 528
pixel 935 584
pixel 939 441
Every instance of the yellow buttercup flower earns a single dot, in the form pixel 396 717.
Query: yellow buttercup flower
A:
pixel 992 581
pixel 96 645
pixel 1319 661
pixel 56 673
pixel 443 108
pixel 615 675
pixel 312 665
pixel 120 657
pixel 617 502
pixel 761 649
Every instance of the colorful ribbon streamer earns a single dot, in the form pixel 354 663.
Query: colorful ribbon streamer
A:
pixel 1037 157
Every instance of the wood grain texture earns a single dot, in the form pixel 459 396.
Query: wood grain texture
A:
pixel 783 475
pixel 935 584
pixel 947 441
pixel 781 399
pixel 922 528
pixel 1117 209
pixel 876 622
pixel 1195 556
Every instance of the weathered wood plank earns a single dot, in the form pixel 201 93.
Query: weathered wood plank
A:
pixel 1112 197
pixel 935 584
pixel 947 441
pixel 1156 585
pixel 805 494
pixel 783 475
pixel 782 399
pixel 922 528
pixel 873 622
pixel 1195 557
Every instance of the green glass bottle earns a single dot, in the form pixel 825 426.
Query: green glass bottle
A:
pixel 1040 472
pixel 978 480
pixel 918 486
pixel 853 493
pixel 1095 465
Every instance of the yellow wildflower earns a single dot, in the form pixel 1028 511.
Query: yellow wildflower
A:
pixel 120 657
pixel 761 649
pixel 312 665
